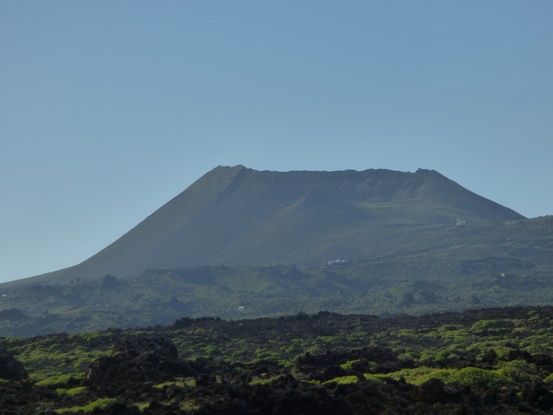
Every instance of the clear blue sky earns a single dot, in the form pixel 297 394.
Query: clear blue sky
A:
pixel 108 109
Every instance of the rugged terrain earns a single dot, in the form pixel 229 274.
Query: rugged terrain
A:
pixel 496 361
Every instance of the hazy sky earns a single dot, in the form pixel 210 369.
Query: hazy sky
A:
pixel 108 109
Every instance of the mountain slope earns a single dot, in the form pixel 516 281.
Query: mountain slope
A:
pixel 493 265
pixel 240 216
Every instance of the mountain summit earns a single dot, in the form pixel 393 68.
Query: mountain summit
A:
pixel 239 216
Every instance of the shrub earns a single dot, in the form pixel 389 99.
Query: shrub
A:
pixel 479 377
pixel 518 370
pixel 344 380
pixel 56 380
pixel 71 392
pixel 96 405
pixel 548 379
pixel 444 375
pixel 77 390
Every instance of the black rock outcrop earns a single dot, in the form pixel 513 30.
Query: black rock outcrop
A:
pixel 139 359
pixel 10 367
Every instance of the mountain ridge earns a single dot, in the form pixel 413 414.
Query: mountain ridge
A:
pixel 239 216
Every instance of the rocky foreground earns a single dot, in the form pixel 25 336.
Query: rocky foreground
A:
pixel 492 367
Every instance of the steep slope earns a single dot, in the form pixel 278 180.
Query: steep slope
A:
pixel 240 216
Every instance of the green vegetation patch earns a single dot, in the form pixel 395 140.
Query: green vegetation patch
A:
pixel 72 391
pixel 179 382
pixel 58 380
pixel 96 405
pixel 466 376
pixel 476 349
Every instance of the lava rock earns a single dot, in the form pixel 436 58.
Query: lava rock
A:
pixel 139 359
pixel 10 367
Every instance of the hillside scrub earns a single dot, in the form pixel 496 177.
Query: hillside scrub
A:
pixel 468 268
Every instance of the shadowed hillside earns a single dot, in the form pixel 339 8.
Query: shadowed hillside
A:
pixel 239 216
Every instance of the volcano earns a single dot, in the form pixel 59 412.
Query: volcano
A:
pixel 238 216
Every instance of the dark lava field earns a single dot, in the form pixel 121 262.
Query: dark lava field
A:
pixel 495 361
